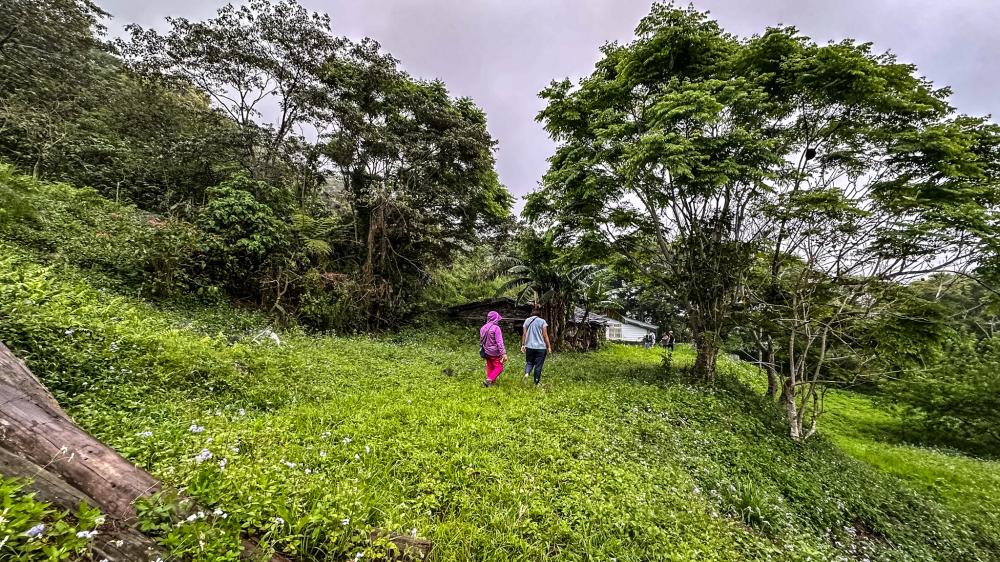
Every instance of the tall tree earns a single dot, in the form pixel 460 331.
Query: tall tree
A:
pixel 417 168
pixel 247 59
pixel 840 167
pixel 665 142
pixel 882 183
pixel 51 77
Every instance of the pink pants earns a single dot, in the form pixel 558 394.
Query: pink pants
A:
pixel 493 368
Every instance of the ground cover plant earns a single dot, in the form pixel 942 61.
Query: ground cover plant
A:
pixel 866 428
pixel 319 442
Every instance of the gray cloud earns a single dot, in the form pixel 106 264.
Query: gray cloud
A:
pixel 502 52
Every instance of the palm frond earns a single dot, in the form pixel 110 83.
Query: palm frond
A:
pixel 318 248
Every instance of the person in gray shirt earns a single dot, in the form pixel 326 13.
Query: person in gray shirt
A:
pixel 535 343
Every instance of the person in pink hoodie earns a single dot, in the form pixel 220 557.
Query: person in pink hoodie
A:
pixel 491 347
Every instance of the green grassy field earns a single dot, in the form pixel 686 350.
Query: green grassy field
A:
pixel 967 485
pixel 314 444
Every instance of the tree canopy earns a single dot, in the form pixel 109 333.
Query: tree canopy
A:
pixel 700 156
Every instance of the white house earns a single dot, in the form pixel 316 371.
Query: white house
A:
pixel 629 330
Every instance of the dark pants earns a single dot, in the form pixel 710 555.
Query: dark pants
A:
pixel 533 360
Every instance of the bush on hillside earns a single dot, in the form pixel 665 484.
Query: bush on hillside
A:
pixel 956 401
pixel 59 223
pixel 242 233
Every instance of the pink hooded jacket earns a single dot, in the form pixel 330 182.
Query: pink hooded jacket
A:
pixel 490 336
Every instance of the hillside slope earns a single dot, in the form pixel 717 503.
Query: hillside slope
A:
pixel 316 443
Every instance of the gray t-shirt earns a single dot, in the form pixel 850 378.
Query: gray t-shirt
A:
pixel 534 327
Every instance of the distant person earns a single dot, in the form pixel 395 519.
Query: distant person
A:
pixel 668 341
pixel 647 341
pixel 491 347
pixel 535 343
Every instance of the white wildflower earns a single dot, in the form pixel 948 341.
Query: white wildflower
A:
pixel 203 456
pixel 279 521
pixel 347 440
pixel 100 520
pixel 192 518
pixel 357 456
pixel 346 521
pixel 288 464
pixel 36 530
pixel 219 513
pixel 368 449
pixel 114 347
pixel 195 428
pixel 359 556
pixel 322 454
pixel 243 412
pixel 309 471
pixel 326 435
pixel 86 535
pixel 413 532
pixel 69 332
pixel 146 434
pixel 222 464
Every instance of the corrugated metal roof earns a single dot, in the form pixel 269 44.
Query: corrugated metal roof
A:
pixel 639 323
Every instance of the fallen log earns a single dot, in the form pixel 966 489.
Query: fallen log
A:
pixel 33 426
pixel 66 465
pixel 115 540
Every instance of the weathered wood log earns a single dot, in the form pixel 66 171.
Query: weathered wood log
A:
pixel 67 466
pixel 33 426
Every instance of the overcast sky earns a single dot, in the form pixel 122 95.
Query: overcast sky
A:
pixel 503 52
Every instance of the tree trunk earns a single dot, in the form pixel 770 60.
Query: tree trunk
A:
pixel 772 382
pixel 787 400
pixel 115 541
pixel 67 465
pixel 772 373
pixel 707 344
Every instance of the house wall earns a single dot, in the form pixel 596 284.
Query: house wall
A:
pixel 629 332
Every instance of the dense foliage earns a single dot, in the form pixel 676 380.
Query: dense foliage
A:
pixel 34 530
pixel 785 198
pixel 949 394
pixel 335 214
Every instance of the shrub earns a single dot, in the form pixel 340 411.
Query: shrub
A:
pixel 242 233
pixel 63 224
pixel 956 401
